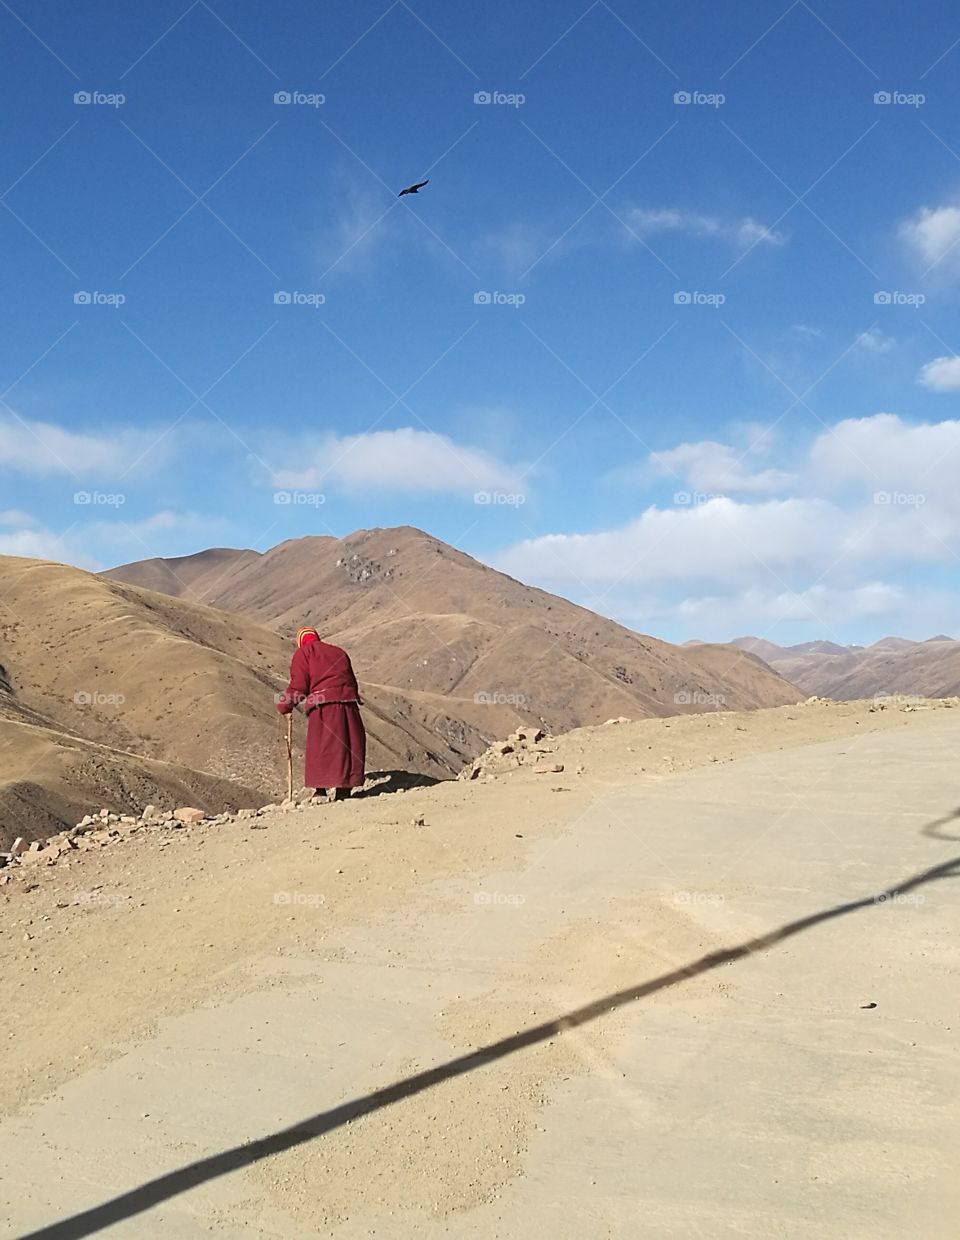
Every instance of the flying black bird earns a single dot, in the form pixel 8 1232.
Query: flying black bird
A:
pixel 414 189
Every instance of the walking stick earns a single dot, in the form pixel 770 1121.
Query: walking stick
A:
pixel 290 757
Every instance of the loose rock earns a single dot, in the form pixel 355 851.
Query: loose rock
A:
pixel 189 814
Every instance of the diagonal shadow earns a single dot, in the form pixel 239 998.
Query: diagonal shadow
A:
pixel 163 1187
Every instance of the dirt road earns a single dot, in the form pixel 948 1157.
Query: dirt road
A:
pixel 719 1004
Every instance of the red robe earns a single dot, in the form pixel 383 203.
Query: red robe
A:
pixel 322 680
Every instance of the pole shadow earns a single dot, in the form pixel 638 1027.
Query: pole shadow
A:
pixel 183 1179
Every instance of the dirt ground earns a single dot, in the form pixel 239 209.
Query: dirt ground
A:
pixel 186 993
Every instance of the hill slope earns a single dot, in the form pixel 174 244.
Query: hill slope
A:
pixel 98 676
pixel 416 613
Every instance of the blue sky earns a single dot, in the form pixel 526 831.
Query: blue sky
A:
pixel 672 330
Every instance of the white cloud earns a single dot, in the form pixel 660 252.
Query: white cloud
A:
pixel 941 375
pixel 722 541
pixel 43 448
pixel 16 516
pixel 933 234
pixel 824 605
pixel 746 231
pixel 716 468
pixel 517 246
pixel 870 497
pixel 36 544
pixel 360 225
pixel 874 341
pixel 406 459
pixel 884 452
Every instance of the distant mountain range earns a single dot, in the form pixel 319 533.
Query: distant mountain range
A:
pixel 892 665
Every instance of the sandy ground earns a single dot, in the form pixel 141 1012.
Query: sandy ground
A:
pixel 685 987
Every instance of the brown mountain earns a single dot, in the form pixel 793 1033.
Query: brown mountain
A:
pixel 113 695
pixel 420 615
pixel 893 665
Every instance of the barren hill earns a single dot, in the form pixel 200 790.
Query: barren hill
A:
pixel 418 614
pixel 99 676
pixel 893 665
pixel 192 577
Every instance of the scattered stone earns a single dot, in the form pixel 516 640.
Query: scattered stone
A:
pixel 419 821
pixel 246 813
pixel 148 812
pixel 189 815
pixel 553 769
pixel 619 719
pixel 18 846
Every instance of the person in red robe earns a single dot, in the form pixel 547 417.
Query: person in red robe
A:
pixel 323 682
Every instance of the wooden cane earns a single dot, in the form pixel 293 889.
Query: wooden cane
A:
pixel 290 757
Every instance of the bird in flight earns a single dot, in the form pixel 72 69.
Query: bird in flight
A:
pixel 414 189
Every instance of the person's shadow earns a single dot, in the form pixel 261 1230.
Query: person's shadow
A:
pixel 378 783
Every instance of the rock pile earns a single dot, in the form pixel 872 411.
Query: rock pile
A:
pixel 100 830
pixel 526 747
